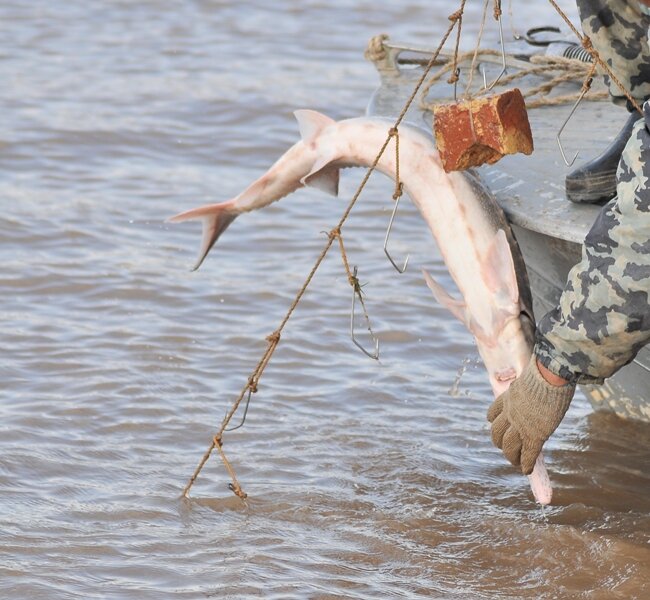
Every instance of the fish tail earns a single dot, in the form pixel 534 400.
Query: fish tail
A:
pixel 215 219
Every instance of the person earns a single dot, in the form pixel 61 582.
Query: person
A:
pixel 602 319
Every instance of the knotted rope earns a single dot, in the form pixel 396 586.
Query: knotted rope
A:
pixel 274 339
pixel 561 70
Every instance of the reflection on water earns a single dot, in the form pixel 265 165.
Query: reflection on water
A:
pixel 365 479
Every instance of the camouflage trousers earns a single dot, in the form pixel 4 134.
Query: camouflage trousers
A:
pixel 603 316
pixel 618 30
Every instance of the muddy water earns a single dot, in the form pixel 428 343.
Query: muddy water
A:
pixel 365 479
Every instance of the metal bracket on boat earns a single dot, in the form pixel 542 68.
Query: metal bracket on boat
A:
pixel 585 89
pixel 531 35
pixel 356 292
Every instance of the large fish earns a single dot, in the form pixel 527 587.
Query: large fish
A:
pixel 470 229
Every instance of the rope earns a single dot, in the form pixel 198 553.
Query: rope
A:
pixel 570 70
pixel 399 186
pixel 274 339
pixel 456 17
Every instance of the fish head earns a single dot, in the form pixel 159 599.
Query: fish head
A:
pixel 499 316
pixel 505 338
pixel 506 347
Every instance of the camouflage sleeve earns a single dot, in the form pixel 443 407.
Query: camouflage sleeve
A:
pixel 618 29
pixel 603 316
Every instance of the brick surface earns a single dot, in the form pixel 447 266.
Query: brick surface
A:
pixel 471 133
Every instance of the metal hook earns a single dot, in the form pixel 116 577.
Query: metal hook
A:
pixel 243 419
pixel 504 69
pixel 356 291
pixel 390 226
pixel 585 89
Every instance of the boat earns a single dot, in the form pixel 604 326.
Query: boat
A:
pixel 530 189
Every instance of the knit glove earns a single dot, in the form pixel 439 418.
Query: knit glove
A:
pixel 526 415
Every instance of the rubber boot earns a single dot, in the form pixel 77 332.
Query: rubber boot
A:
pixel 595 181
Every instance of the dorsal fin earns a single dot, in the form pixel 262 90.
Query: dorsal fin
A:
pixel 311 123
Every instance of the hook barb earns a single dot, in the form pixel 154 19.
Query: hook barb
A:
pixel 356 291
pixel 504 68
pixel 559 133
pixel 243 419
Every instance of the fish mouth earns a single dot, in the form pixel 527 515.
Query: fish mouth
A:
pixel 506 374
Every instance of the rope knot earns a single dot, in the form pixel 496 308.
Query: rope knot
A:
pixel 455 16
pixel 393 132
pixel 218 442
pixel 453 78
pixel 375 50
pixel 587 44
pixel 497 9
pixel 252 385
pixel 399 190
pixel 235 488
pixel 334 233
pixel 274 338
pixel 586 84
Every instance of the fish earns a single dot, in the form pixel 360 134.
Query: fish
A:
pixel 494 302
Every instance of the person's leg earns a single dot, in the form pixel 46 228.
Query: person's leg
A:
pixel 618 30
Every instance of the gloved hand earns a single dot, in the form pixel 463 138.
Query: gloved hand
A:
pixel 526 415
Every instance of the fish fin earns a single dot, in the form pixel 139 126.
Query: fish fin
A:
pixel 311 123
pixel 215 219
pixel 499 268
pixel 456 307
pixel 323 176
pixel 325 179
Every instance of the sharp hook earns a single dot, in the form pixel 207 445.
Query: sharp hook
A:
pixel 356 291
pixel 504 69
pixel 243 419
pixel 390 226
pixel 559 133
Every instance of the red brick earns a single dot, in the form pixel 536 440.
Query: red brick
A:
pixel 483 130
